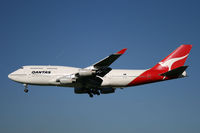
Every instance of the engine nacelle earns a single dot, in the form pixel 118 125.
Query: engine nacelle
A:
pixel 80 90
pixel 66 80
pixel 85 72
pixel 107 90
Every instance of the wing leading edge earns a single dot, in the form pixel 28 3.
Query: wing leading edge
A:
pixel 106 62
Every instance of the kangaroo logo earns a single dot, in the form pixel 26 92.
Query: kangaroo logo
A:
pixel 170 62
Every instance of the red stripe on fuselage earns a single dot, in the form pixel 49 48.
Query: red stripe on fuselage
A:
pixel 147 77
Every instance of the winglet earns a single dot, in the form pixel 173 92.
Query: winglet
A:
pixel 121 51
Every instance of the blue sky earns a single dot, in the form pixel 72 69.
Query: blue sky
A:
pixel 79 33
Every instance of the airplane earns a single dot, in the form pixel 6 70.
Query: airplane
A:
pixel 100 78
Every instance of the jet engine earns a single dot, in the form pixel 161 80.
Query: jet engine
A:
pixel 85 73
pixel 66 80
pixel 107 90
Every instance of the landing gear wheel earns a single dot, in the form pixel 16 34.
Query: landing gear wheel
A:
pixel 90 95
pixel 26 90
pixel 98 93
pixel 26 86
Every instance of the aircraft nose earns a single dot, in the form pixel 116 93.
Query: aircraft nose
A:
pixel 10 76
pixel 17 75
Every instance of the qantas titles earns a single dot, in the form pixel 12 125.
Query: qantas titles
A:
pixel 41 72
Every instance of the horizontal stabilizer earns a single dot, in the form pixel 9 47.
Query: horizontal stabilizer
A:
pixel 175 72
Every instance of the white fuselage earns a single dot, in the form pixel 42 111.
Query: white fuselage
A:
pixel 47 75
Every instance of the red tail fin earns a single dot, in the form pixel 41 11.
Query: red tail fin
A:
pixel 176 59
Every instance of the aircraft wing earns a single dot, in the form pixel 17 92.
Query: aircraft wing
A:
pixel 102 67
pixel 106 62
pixel 89 75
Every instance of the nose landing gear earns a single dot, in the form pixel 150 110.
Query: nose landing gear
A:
pixel 26 86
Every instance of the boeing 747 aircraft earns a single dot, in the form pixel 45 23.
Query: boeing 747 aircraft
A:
pixel 99 78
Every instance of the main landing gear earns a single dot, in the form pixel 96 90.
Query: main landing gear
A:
pixel 26 86
pixel 90 94
pixel 93 92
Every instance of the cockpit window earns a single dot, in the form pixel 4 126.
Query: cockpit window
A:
pixel 22 67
